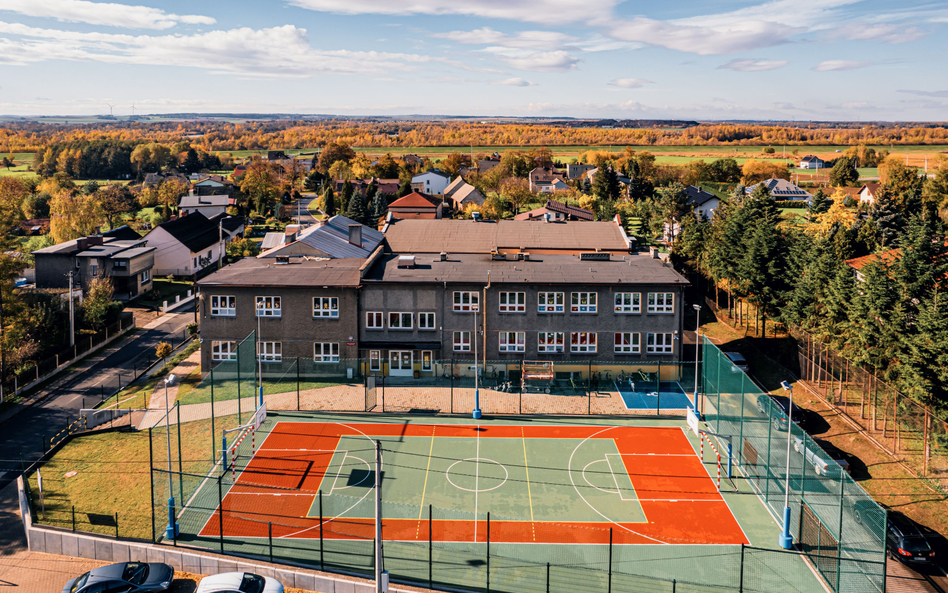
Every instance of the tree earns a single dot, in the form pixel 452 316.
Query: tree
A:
pixel 818 205
pixel 163 350
pixel 329 202
pixel 259 185
pixel 73 215
pixel 12 193
pixel 673 206
pixel 725 171
pixel 97 302
pixel 90 187
pixel 114 201
pixel 404 189
pixel 517 193
pixel 605 185
pixel 36 205
pixel 245 247
pixel 170 192
pixel 333 153
pixel 378 208
pixel 843 173
pixel 355 207
pixel 887 217
pixel 516 164
pixel 755 171
pixel 191 163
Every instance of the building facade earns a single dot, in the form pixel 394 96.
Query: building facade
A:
pixel 126 263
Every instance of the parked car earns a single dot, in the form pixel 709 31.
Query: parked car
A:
pixel 239 582
pixel 125 577
pixel 782 405
pixel 740 363
pixel 907 542
pixel 868 513
pixel 823 462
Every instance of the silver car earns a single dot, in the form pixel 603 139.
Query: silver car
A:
pixel 238 582
pixel 126 577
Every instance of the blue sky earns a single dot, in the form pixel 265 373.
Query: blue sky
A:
pixel 695 59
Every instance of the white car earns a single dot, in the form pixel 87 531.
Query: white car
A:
pixel 238 582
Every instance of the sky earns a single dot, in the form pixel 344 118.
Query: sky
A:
pixel 676 59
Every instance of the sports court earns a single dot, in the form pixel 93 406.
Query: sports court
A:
pixel 644 396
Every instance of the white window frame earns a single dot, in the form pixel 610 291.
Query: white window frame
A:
pixel 271 306
pixel 374 316
pixel 457 340
pixel 557 346
pixel 401 317
pixel 427 321
pixel 269 351
pixel 545 306
pixel 222 350
pixel 577 347
pixel 628 343
pixel 513 302
pixel 228 310
pixel 472 297
pixel 328 307
pixel 325 352
pixel 653 347
pixel 664 307
pixel 628 302
pixel 576 302
pixel 145 277
pixel 517 345
pixel 375 359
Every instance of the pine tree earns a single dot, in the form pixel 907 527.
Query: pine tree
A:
pixel 818 205
pixel 355 208
pixel 871 338
pixel 345 198
pixel 844 172
pixel 329 202
pixel 605 185
pixel 925 374
pixel 377 209
pixel 404 189
pixel 888 218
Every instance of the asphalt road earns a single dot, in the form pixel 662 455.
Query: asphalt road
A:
pixel 22 436
pixel 305 218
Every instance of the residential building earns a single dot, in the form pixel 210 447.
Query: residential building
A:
pixel 781 189
pixel 416 205
pixel 127 263
pixel 34 226
pixel 156 179
pixel 191 244
pixel 207 204
pixel 213 185
pixel 885 258
pixel 384 186
pixel 705 203
pixel 542 179
pixel 554 211
pixel 577 171
pixel 337 238
pixel 276 155
pixel 812 162
pixel 460 193
pixel 432 182
pixel 278 239
pixel 868 192
pixel 411 160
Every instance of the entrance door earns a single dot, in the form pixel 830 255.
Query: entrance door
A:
pixel 400 363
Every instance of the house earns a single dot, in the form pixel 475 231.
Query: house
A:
pixel 544 177
pixel 213 185
pixel 460 193
pixel 127 263
pixel 403 311
pixel 239 171
pixel 208 205
pixel 191 244
pixel 431 182
pixel 704 202
pixel 337 238
pixel 277 239
pixel 360 186
pixel 34 226
pixel 858 263
pixel 812 162
pixel 554 211
pixel 411 160
pixel 416 206
pixel 549 187
pixel 781 189
pixel 577 171
pixel 868 192
pixel 276 155
pixel 156 179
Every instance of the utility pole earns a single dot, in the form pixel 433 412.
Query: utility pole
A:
pixel 378 518
pixel 72 317
pixel 220 240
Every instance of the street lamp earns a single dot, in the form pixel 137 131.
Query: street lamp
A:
pixel 477 394
pixel 171 531
pixel 259 362
pixel 697 309
pixel 786 540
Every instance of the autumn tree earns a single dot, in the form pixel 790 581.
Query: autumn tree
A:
pixel 333 153
pixel 97 302
pixel 170 192
pixel 259 186
pixel 843 173
pixel 516 192
pixel 755 171
pixel 73 215
pixel 114 201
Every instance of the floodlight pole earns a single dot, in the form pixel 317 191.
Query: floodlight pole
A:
pixel 786 540
pixel 378 518
pixel 171 531
pixel 259 362
pixel 697 309
pixel 477 395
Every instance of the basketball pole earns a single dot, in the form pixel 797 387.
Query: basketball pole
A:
pixel 381 583
pixel 477 394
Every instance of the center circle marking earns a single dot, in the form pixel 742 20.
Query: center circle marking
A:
pixel 471 475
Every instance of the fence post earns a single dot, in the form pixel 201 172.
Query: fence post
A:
pixel 116 525
pixel 213 431
pixel 658 389
pixel 73 518
pixel 151 483
pixel 270 538
pixel 452 386
pixel 770 426
pixel 238 384
pixel 322 566
pixel 926 449
pixel 839 534
pixel 180 465
pixel 547 577
pixel 740 431
pixel 430 580
pixel 220 511
pixel 610 560
pixel 488 552
pixel 297 383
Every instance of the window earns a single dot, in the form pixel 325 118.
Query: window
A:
pixel 661 302
pixel 194 262
pixel 426 360
pixel 582 342
pixel 551 341
pixel 513 302
pixel 660 344
pixel 627 343
pixel 95 270
pixel 462 341
pixel 628 302
pixel 426 321
pixel 373 320
pixel 268 306
pixel 550 302
pixel 375 360
pixel 512 341
pixel 223 306
pixel 400 320
pixel 466 301
pixel 326 352
pixel 223 350
pixel 146 277
pixel 119 264
pixel 584 302
pixel 270 351
pixel 325 307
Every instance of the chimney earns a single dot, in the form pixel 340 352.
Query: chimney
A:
pixel 355 234
pixel 444 256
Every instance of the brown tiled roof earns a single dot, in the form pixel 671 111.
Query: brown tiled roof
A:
pixel 580 213
pixel 415 200
pixel 858 263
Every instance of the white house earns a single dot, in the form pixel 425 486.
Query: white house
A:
pixel 704 202
pixel 192 243
pixel 209 206
pixel 432 182
pixel 812 162
pixel 867 193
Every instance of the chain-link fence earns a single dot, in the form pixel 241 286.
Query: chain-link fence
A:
pixel 832 517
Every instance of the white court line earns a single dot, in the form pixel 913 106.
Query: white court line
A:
pixel 477 466
pixel 342 464
pixel 593 485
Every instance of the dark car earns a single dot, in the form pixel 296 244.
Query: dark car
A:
pixel 781 407
pixel 125 577
pixel 907 542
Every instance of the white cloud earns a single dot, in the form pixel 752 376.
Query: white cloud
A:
pixel 534 61
pixel 630 83
pixel 537 40
pixel 887 33
pixel 274 52
pixel 940 94
pixel 533 11
pixel 514 82
pixel 751 65
pixel 833 65
pixel 103 13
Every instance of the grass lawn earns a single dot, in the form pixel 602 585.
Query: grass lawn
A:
pixel 167 289
pixel 20 171
pixel 136 395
